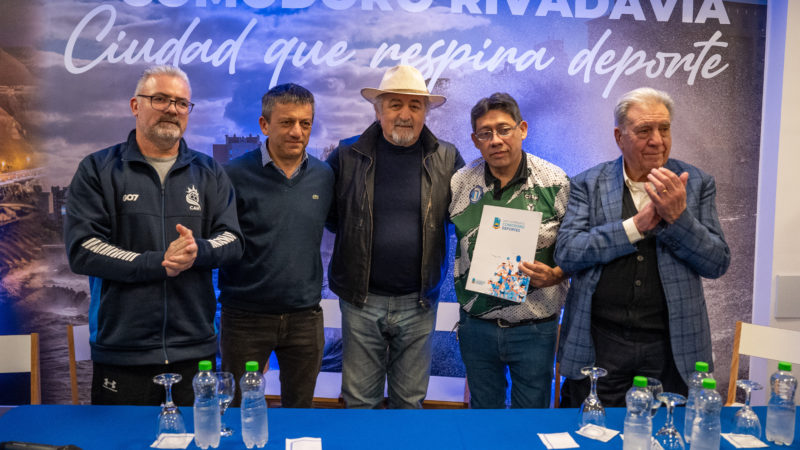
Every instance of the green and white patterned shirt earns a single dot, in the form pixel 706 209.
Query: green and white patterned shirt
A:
pixel 545 189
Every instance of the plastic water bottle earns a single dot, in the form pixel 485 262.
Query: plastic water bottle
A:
pixel 695 386
pixel 638 423
pixel 780 408
pixel 254 407
pixel 206 407
pixel 707 427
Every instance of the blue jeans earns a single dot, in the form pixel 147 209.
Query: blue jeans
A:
pixel 527 350
pixel 387 337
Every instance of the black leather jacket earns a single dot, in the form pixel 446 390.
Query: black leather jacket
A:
pixel 353 162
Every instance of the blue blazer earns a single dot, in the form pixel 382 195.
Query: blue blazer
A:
pixel 592 235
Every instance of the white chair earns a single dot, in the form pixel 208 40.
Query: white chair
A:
pixel 20 354
pixel 761 342
pixel 443 392
pixel 79 350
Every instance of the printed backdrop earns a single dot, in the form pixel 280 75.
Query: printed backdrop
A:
pixel 68 69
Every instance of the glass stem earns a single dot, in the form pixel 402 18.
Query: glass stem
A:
pixel 668 421
pixel 168 387
pixel 594 386
pixel 747 397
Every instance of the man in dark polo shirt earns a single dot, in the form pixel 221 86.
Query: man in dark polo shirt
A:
pixel 388 262
pixel 639 234
pixel 270 297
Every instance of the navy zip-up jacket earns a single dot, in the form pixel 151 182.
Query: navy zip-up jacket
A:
pixel 119 222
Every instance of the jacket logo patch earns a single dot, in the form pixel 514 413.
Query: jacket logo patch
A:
pixel 315 196
pixel 130 197
pixel 476 194
pixel 193 198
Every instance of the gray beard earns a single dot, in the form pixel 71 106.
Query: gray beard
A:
pixel 403 139
pixel 163 135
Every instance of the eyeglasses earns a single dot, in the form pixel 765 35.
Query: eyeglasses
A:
pixel 162 103
pixel 503 132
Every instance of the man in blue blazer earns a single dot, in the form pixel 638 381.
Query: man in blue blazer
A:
pixel 638 235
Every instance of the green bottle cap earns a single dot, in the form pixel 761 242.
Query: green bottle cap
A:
pixel 640 381
pixel 709 383
pixel 701 366
pixel 204 366
pixel 785 366
pixel 251 366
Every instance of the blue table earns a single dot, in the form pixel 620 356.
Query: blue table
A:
pixel 133 427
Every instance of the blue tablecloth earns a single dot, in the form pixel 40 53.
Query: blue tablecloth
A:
pixel 133 427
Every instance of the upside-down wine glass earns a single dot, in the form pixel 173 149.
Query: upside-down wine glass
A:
pixel 226 387
pixel 746 421
pixel 668 436
pixel 170 419
pixel 592 411
pixel 655 387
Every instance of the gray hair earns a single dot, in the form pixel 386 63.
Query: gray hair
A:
pixel 378 102
pixel 499 101
pixel 286 93
pixel 640 96
pixel 161 70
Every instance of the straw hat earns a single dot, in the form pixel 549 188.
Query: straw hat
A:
pixel 403 80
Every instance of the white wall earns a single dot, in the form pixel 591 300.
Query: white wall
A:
pixel 778 223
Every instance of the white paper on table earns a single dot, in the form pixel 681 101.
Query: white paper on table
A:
pixel 165 440
pixel 597 433
pixel 744 440
pixel 304 443
pixel 557 440
pixel 506 237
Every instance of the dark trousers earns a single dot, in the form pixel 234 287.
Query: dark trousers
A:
pixel 625 356
pixel 297 339
pixel 133 385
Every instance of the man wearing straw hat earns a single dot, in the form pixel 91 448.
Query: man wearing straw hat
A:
pixel 388 263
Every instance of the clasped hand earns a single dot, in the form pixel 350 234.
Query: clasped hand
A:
pixel 667 192
pixel 181 253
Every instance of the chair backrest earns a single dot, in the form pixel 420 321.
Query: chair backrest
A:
pixel 20 353
pixel 331 314
pixel 761 342
pixel 79 350
pixel 447 315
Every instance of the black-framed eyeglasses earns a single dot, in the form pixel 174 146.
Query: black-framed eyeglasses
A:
pixel 503 132
pixel 162 103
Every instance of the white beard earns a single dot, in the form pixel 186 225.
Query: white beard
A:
pixel 403 137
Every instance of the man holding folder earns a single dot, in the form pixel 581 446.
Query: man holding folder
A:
pixel 493 332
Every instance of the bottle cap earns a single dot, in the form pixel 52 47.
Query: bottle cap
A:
pixel 709 383
pixel 701 366
pixel 204 366
pixel 640 381
pixel 785 366
pixel 251 366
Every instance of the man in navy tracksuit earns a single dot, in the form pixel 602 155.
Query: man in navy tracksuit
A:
pixel 147 220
